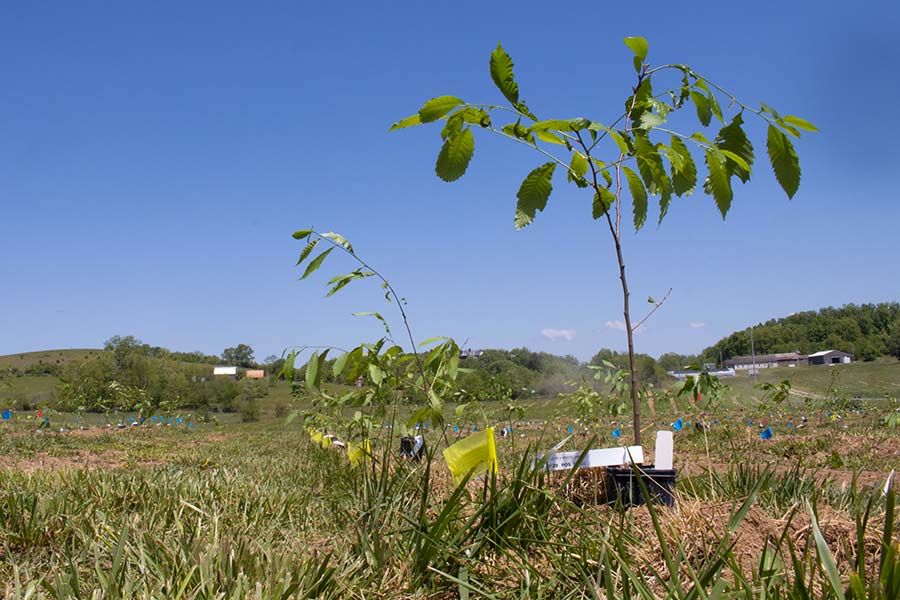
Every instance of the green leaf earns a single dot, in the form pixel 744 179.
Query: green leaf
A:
pixel 638 197
pixel 312 370
pixel 684 178
pixel 785 162
pixel 315 264
pixel 800 123
pixel 735 145
pixel 650 120
pixel 455 155
pixel 718 183
pixel 639 46
pixel 410 121
pixel 339 240
pixel 650 165
pixel 615 135
pixel 436 108
pixel 577 168
pixel 567 125
pixel 502 74
pixel 534 193
pixel 339 363
pixel 602 201
pixel 287 370
pixel 550 138
pixel 302 234
pixel 704 112
pixel 310 246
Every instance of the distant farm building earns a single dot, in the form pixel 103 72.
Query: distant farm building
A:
pixel 255 374
pixel 225 371
pixel 766 361
pixel 684 374
pixel 470 353
pixel 830 357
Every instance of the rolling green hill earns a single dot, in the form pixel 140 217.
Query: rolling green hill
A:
pixel 28 360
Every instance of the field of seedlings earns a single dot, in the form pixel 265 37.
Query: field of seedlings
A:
pixel 264 510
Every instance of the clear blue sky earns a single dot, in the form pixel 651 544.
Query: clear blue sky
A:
pixel 156 157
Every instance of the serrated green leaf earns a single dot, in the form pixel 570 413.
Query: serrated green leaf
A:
pixel 310 246
pixel 410 121
pixel 302 234
pixel 455 155
pixel 567 125
pixel 578 166
pixel 704 112
pixel 650 120
pixel 785 162
pixel 638 45
pixel 315 264
pixel 735 145
pixel 312 370
pixel 684 179
pixel 436 108
pixel 650 166
pixel 800 123
pixel 638 197
pixel 502 74
pixel 287 370
pixel 533 194
pixel 339 240
pixel 602 201
pixel 640 102
pixel 339 363
pixel 549 137
pixel 718 183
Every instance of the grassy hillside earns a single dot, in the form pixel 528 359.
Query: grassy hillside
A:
pixel 59 357
pixel 861 379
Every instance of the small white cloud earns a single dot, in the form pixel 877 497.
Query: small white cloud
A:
pixel 558 334
pixel 696 324
pixel 620 326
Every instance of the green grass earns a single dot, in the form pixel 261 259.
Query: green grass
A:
pixel 235 510
pixel 24 360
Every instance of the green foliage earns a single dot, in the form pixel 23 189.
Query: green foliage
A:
pixel 784 160
pixel 534 193
pixel 645 111
pixel 866 330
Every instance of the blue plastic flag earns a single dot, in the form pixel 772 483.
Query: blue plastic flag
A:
pixel 766 433
pixel 169 420
pixel 190 424
pixel 749 422
pixel 688 423
pixel 7 415
pixel 790 424
pixel 179 420
pixel 617 432
pixel 456 429
pixel 474 427
pixel 677 425
pixel 569 429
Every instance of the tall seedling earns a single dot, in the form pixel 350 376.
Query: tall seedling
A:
pixel 641 155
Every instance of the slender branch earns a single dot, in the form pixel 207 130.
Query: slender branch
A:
pixel 397 299
pixel 653 310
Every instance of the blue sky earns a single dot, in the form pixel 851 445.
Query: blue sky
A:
pixel 155 159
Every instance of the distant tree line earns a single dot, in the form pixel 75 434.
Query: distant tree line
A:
pixel 867 331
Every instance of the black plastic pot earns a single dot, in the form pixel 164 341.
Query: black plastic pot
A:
pixel 622 485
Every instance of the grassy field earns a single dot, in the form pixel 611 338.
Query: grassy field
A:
pixel 875 379
pixel 59 357
pixel 257 510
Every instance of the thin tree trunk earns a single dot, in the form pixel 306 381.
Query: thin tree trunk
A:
pixel 635 401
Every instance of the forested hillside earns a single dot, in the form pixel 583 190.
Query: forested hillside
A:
pixel 867 331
